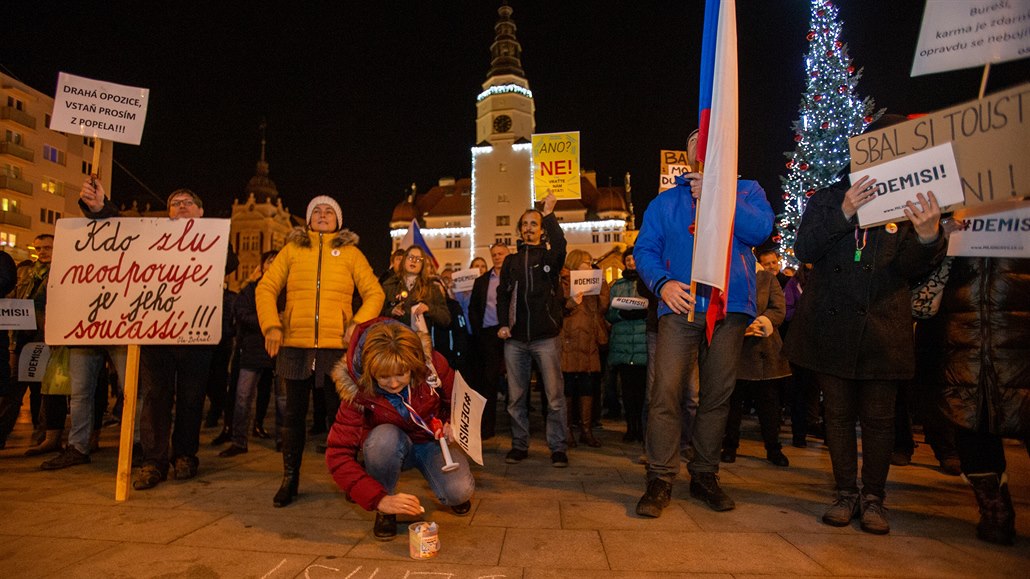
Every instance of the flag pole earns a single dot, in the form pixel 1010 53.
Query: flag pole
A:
pixel 693 254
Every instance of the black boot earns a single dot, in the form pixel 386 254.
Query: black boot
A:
pixel 293 450
pixel 997 517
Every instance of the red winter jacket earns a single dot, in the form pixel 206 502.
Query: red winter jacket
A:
pixel 360 413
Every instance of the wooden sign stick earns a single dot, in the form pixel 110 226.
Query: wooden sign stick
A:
pixel 124 477
pixel 97 145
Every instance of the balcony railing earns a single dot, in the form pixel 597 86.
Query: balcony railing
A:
pixel 20 117
pixel 15 184
pixel 16 150
pixel 15 219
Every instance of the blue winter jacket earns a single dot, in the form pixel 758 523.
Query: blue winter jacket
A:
pixel 665 246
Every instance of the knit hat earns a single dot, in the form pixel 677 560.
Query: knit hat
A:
pixel 325 200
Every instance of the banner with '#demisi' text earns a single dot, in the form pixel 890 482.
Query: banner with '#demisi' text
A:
pixel 467 407
pixel 902 179
pixel 990 138
pixel 137 281
pixel 1001 233
pixel 94 108
pixel 967 33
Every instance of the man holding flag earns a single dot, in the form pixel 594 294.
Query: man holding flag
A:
pixel 689 242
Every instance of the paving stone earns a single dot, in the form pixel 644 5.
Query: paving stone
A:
pixel 459 544
pixel 608 515
pixel 553 549
pixel 522 513
pixel 28 557
pixel 165 561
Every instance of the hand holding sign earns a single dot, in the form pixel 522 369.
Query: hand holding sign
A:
pixel 861 192
pixel 93 194
pixel 584 282
pixel 924 218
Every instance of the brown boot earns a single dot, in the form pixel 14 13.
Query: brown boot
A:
pixel 997 515
pixel 51 443
pixel 586 407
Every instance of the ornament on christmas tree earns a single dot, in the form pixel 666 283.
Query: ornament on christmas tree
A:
pixel 777 238
pixel 786 196
pixel 811 35
pixel 803 166
pixel 851 70
pixel 829 54
pixel 821 13
pixel 838 44
pixel 815 73
pixel 867 119
pixel 817 98
pixel 797 138
pixel 842 88
pixel 790 164
pixel 810 192
pixel 825 125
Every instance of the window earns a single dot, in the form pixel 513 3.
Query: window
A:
pixel 48 216
pixel 595 237
pixel 46 119
pixel 54 155
pixel 52 186
pixel 503 238
pixel 15 103
pixel 9 204
pixel 8 239
pixel 42 214
pixel 11 171
pixel 87 168
pixel 502 198
pixel 12 136
pixel 88 141
pixel 503 220
pixel 607 237
pixel 617 236
pixel 250 241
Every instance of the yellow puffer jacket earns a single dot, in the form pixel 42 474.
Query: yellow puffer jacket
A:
pixel 319 272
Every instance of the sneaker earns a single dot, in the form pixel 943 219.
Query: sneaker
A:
pixel 843 509
pixel 186 467
pixel 705 486
pixel 559 459
pixel 462 509
pixel 657 497
pixel 233 450
pixel 147 477
pixel 385 527
pixel 516 455
pixel 68 457
pixel 728 455
pixel 874 515
pixel 776 456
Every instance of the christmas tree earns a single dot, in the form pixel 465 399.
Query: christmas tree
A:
pixel 830 113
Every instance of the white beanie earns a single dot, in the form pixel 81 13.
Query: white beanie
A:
pixel 325 200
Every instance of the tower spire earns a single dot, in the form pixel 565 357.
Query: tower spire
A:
pixel 506 50
pixel 260 186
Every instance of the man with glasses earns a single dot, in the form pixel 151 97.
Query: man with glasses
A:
pixel 169 375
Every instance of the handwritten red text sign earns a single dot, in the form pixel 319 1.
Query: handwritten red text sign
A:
pixel 137 281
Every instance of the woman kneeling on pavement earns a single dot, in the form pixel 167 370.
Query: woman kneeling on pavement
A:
pixel 394 407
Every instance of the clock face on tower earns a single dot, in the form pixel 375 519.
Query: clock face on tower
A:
pixel 502 124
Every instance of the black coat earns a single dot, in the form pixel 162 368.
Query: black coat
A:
pixel 477 301
pixel 984 319
pixel 250 343
pixel 854 319
pixel 529 297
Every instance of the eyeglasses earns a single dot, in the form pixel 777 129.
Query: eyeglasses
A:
pixel 416 259
pixel 182 203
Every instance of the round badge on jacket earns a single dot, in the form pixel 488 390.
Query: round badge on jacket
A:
pixel 891 228
pixel 336 253
pixel 547 269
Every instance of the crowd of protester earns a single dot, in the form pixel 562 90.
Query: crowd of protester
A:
pixel 827 346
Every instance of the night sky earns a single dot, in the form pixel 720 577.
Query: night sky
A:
pixel 364 98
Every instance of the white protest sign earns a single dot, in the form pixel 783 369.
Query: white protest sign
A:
pixel 418 321
pixel 585 282
pixel 137 281
pixel 901 180
pixel 99 109
pixel 1000 233
pixel 32 362
pixel 17 314
pixel 967 33
pixel 625 303
pixel 464 279
pixel 466 417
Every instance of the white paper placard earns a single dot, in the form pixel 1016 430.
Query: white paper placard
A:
pixel 94 108
pixel 585 282
pixel 1000 233
pixel 966 33
pixel 467 407
pixel 32 362
pixel 464 279
pixel 137 281
pixel 625 303
pixel 17 314
pixel 902 179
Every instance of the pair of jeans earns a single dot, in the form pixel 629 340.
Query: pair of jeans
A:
pixel 717 372
pixel 872 403
pixel 172 376
pixel 766 394
pixel 84 365
pixel 246 392
pixel 388 450
pixel 518 358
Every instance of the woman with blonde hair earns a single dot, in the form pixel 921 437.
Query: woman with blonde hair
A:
pixel 395 406
pixel 583 332
pixel 414 291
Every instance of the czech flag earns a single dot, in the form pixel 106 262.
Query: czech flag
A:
pixel 717 155
pixel 414 237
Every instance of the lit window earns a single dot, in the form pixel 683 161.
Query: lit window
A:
pixel 54 155
pixel 8 239
pixel 503 220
